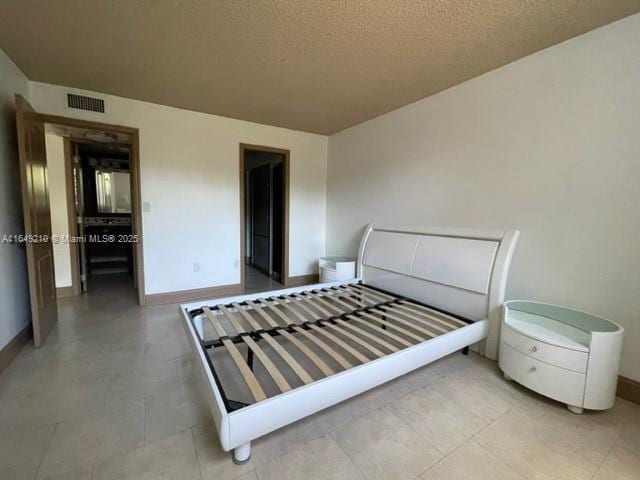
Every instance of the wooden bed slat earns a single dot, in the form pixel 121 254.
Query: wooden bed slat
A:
pixel 433 313
pixel 343 362
pixel 312 302
pixel 407 323
pixel 368 335
pixel 289 307
pixel 373 292
pixel 377 352
pixel 340 300
pixel 249 378
pixel 317 361
pixel 279 349
pixel 364 296
pixel 423 320
pixel 269 366
pixel 322 331
pixel 301 303
pixel 293 363
pixel 326 303
pixel 441 317
pixel 382 331
pixel 395 327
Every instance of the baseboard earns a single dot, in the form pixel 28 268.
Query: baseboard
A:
pixel 629 389
pixel 12 349
pixel 64 292
pixel 181 296
pixel 301 280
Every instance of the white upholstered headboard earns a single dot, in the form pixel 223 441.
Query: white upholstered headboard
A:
pixel 460 271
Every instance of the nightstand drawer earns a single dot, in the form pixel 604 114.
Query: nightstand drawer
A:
pixel 555 382
pixel 552 354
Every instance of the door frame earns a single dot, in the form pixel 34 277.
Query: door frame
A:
pixel 285 222
pixel 136 197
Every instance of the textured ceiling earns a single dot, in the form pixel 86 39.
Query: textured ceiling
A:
pixel 318 66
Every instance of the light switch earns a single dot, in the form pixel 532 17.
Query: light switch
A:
pixel 146 207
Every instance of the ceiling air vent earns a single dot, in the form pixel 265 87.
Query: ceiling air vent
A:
pixel 80 102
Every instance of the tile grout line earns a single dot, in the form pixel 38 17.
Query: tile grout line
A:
pixel 335 440
pixel 44 453
pixel 604 458
pixel 195 451
pixel 447 455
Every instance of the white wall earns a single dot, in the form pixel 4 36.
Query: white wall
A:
pixel 549 144
pixel 58 204
pixel 14 293
pixel 189 174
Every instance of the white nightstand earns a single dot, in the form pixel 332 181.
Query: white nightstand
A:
pixel 337 269
pixel 565 354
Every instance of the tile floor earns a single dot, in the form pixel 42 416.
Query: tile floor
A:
pixel 256 281
pixel 114 395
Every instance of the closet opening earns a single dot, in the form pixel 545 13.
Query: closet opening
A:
pixel 264 175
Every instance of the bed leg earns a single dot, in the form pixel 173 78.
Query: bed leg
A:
pixel 242 454
pixel 465 351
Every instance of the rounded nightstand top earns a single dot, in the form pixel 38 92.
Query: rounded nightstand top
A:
pixel 574 318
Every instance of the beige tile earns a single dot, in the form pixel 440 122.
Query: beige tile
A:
pixel 21 450
pixel 81 474
pixel 440 420
pixel 80 443
pixel 476 394
pixel 170 348
pixel 620 464
pixel 473 462
pixel 382 446
pixel 581 439
pixel 385 394
pixel 9 407
pixel 63 402
pixel 142 382
pixel 173 457
pixel 321 458
pixel 630 437
pixel 187 369
pixel 510 440
pixel 417 379
pixel 217 464
pixel 175 408
pixel 247 476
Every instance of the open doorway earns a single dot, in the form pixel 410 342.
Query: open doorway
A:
pixel 91 210
pixel 39 239
pixel 264 196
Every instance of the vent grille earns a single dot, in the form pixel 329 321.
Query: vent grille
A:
pixel 81 102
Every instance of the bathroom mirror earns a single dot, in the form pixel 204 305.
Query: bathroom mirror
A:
pixel 113 191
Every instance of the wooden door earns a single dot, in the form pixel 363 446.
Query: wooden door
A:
pixel 37 220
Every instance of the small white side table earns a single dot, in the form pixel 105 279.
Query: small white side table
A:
pixel 336 269
pixel 564 354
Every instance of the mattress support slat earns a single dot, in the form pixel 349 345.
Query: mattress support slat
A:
pixel 269 366
pixel 250 379
pixel 279 349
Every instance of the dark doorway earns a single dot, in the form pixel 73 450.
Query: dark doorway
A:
pixel 103 202
pixel 264 218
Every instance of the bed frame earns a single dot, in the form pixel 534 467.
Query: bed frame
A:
pixel 420 294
